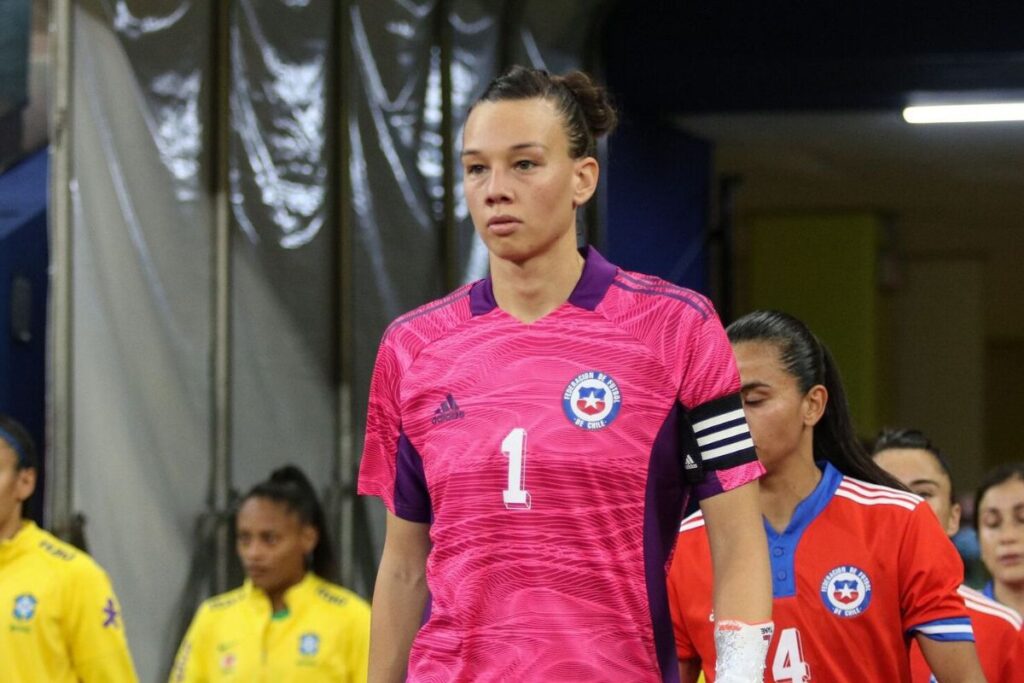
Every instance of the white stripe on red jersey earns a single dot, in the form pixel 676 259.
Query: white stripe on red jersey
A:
pixel 980 602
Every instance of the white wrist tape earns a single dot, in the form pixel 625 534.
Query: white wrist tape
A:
pixel 741 650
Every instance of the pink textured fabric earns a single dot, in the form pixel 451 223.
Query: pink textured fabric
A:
pixel 545 458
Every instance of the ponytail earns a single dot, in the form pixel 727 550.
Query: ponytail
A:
pixel 808 360
pixel 289 486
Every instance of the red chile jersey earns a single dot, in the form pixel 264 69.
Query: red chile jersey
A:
pixel 997 636
pixel 859 570
pixel 546 458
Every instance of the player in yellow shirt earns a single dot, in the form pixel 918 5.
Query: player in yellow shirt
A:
pixel 60 621
pixel 287 623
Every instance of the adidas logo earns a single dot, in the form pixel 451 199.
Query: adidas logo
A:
pixel 448 411
pixel 690 464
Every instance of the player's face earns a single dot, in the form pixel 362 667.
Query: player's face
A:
pixel 273 544
pixel 1001 531
pixel 919 471
pixel 776 409
pixel 15 488
pixel 521 186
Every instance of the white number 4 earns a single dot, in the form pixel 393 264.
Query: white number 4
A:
pixel 514 447
pixel 789 664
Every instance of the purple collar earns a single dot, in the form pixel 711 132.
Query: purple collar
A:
pixel 597 277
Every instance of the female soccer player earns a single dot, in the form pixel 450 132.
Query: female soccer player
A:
pixel 858 563
pixel 287 623
pixel 60 621
pixel 918 464
pixel 999 517
pixel 522 433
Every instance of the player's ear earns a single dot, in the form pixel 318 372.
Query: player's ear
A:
pixel 585 175
pixel 814 404
pixel 308 538
pixel 954 519
pixel 25 484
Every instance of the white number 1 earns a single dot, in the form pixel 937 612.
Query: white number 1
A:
pixel 514 447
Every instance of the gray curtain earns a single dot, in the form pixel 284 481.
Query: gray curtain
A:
pixel 342 117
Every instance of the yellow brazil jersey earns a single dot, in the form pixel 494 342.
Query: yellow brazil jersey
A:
pixel 59 618
pixel 323 634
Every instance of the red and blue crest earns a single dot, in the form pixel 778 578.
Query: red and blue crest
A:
pixel 591 400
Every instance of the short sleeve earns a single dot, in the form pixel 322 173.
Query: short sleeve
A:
pixel 391 468
pixel 711 394
pixel 930 573
pixel 710 371
pixel 1014 663
pixel 188 662
pixel 95 627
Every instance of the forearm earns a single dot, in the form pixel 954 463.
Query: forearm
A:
pixel 951 662
pixel 398 606
pixel 742 585
pixel 739 556
pixel 399 600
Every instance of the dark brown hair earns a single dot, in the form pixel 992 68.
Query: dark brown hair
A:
pixel 585 107
pixel 19 440
pixel 915 439
pixel 999 475
pixel 290 487
pixel 808 360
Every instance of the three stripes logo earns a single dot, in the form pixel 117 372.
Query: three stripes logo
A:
pixel 448 411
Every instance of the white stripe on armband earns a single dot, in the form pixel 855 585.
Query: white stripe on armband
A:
pixel 713 453
pixel 717 420
pixel 723 434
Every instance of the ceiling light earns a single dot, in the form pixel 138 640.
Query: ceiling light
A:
pixel 965 113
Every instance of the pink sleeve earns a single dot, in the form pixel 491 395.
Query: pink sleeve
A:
pixel 710 372
pixel 391 468
pixel 710 393
pixel 378 467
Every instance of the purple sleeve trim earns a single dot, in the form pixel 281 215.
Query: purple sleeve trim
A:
pixel 412 497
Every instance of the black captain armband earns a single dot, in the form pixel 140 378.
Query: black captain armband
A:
pixel 719 435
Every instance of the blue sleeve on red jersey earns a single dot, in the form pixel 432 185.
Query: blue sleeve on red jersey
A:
pixel 946 630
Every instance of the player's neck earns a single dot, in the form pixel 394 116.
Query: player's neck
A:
pixel 531 289
pixel 1011 595
pixel 11 526
pixel 785 486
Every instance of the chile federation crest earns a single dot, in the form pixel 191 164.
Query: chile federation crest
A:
pixel 846 591
pixel 591 400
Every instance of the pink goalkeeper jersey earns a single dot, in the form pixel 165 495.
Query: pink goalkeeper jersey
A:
pixel 548 460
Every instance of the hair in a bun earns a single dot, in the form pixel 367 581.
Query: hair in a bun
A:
pixel 585 106
pixel 290 487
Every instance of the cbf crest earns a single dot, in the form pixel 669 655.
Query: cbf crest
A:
pixel 591 400
pixel 846 591
pixel 25 607
pixel 309 644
